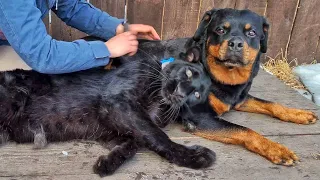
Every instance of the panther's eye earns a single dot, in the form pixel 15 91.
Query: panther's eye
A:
pixel 220 31
pixel 189 73
pixel 197 94
pixel 251 33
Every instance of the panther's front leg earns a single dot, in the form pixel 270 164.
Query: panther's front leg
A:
pixel 108 164
pixel 256 105
pixel 155 139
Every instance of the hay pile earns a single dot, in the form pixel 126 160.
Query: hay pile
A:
pixel 282 69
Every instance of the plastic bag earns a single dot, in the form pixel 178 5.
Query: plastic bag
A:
pixel 310 76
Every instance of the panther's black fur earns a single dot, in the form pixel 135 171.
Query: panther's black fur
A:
pixel 131 101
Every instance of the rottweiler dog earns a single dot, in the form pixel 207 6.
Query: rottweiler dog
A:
pixel 231 43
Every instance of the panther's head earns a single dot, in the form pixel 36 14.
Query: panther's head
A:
pixel 185 82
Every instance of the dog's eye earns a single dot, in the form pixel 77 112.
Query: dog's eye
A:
pixel 220 31
pixel 197 94
pixel 251 33
pixel 189 73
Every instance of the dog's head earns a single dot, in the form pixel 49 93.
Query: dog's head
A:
pixel 234 37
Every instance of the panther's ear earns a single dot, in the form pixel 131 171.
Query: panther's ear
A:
pixel 206 19
pixel 264 39
pixel 193 55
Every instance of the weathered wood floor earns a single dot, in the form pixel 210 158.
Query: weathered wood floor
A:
pixel 233 162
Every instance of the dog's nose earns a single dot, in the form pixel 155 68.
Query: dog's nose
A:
pixel 235 44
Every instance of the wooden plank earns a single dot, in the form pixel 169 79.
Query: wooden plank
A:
pixel 317 56
pixel 225 3
pixel 205 5
pixel 46 23
pixel 60 30
pixel 306 32
pixel 114 8
pixel 96 3
pixel 63 32
pixel 257 6
pixel 280 15
pixel 146 12
pixel 180 18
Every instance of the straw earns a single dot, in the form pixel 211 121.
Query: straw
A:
pixel 282 69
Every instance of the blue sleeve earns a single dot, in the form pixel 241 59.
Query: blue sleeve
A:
pixel 22 25
pixel 85 17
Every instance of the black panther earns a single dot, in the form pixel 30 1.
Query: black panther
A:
pixel 131 102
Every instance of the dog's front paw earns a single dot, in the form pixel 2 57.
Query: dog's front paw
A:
pixel 298 116
pixel 195 157
pixel 281 155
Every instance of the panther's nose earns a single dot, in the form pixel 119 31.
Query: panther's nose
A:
pixel 235 44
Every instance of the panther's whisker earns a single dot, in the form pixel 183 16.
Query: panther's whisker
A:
pixel 166 118
pixel 164 76
pixel 151 94
pixel 152 58
pixel 174 114
pixel 160 73
pixel 156 76
pixel 150 74
pixel 153 86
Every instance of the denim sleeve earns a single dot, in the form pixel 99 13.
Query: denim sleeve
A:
pixel 85 17
pixel 22 25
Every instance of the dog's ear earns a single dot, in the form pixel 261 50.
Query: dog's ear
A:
pixel 264 39
pixel 206 19
pixel 193 55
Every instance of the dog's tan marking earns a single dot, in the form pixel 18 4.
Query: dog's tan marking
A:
pixel 249 53
pixel 227 25
pixel 218 50
pixel 218 106
pixel 109 65
pixel 225 75
pixel 247 26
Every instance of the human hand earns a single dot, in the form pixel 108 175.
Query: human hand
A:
pixel 122 44
pixel 141 30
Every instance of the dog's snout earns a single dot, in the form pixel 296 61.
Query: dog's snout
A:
pixel 235 44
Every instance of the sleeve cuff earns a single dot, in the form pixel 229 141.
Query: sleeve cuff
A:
pixel 99 49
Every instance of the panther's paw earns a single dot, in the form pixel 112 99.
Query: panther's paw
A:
pixel 105 166
pixel 195 157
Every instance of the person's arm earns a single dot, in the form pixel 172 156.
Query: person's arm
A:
pixel 22 25
pixel 85 17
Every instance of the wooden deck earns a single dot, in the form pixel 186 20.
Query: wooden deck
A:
pixel 233 162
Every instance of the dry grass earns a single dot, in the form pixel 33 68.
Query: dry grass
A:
pixel 282 69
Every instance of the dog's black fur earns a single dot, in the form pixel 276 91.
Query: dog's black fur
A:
pixel 131 101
